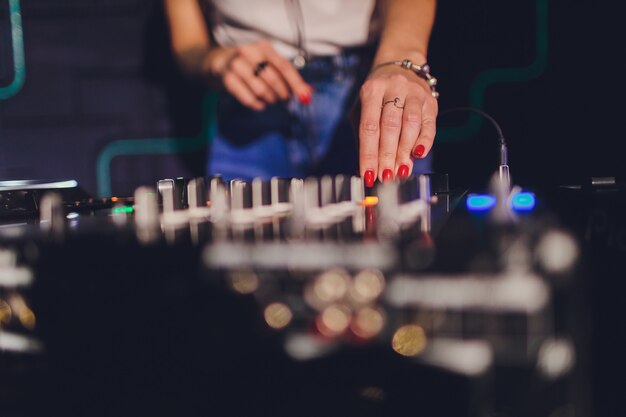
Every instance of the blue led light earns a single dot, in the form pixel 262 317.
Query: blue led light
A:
pixel 480 202
pixel 524 201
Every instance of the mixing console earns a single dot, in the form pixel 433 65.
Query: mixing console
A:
pixel 285 296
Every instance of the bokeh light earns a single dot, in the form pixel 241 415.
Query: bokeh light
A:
pixel 329 287
pixel 244 282
pixel 277 315
pixel 5 312
pixel 409 340
pixel 367 286
pixel 367 322
pixel 334 320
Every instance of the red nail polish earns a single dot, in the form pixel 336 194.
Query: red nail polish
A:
pixel 419 151
pixel 369 178
pixel 305 98
pixel 387 175
pixel 403 171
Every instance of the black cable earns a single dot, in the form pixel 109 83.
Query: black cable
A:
pixel 502 141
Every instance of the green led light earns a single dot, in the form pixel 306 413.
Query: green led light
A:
pixel 124 209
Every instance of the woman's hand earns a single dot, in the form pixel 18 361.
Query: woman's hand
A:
pixel 398 123
pixel 256 75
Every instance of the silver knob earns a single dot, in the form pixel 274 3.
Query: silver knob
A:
pixel 146 215
pixel 196 193
pixel 51 215
pixel 425 196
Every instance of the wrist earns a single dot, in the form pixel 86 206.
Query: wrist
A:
pixel 217 59
pixel 421 71
pixel 386 55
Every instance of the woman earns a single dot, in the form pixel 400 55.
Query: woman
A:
pixel 289 71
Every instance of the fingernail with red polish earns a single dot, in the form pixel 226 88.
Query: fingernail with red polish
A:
pixel 403 171
pixel 419 151
pixel 369 178
pixel 387 175
pixel 305 98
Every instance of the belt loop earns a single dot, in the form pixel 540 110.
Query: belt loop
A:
pixel 340 66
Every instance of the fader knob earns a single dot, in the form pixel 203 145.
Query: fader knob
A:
pixel 327 195
pixel 51 215
pixel 166 194
pixel 146 214
pixel 196 193
pixel 425 196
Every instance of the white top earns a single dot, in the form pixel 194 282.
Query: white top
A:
pixel 326 27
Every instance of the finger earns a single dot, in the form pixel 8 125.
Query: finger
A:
pixel 255 54
pixel 239 89
pixel 286 69
pixel 411 126
pixel 428 129
pixel 245 70
pixel 276 82
pixel 369 133
pixel 390 127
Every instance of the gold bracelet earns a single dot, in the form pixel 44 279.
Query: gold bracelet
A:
pixel 422 71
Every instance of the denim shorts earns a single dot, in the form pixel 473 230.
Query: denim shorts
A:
pixel 290 139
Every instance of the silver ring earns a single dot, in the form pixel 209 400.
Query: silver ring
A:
pixel 260 67
pixel 395 102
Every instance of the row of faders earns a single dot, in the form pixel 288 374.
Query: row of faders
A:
pixel 311 209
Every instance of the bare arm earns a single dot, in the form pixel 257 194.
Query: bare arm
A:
pixel 188 34
pixel 407 28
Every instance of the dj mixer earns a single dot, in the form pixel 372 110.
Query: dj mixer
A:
pixel 286 297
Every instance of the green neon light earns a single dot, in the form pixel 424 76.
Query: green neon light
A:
pixel 19 65
pixel 493 76
pixel 121 210
pixel 153 146
pixel 140 147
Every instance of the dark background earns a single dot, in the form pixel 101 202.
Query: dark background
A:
pixel 103 103
pixel 100 72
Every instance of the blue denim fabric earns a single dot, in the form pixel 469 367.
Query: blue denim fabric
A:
pixel 290 139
